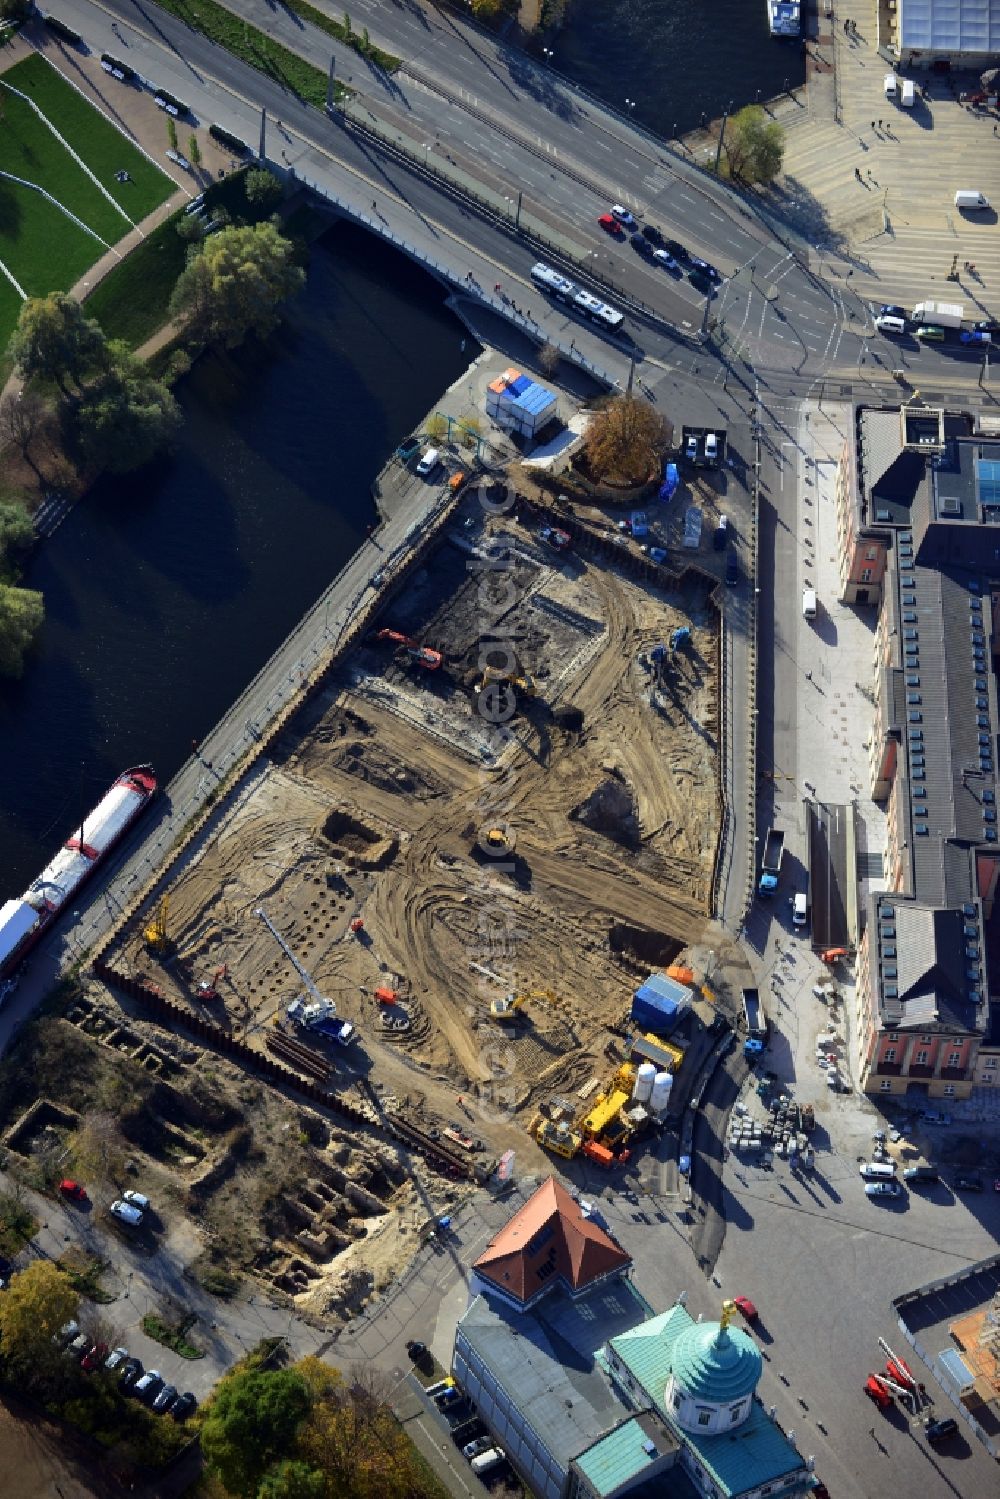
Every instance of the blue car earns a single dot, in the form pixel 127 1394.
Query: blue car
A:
pixel 974 336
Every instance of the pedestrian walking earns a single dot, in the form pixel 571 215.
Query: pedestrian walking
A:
pixel 880 124
pixel 994 130
pixel 857 173
pixel 374 203
pixel 873 124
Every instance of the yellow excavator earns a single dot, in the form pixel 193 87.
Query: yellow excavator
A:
pixel 507 1009
pixel 525 683
pixel 156 934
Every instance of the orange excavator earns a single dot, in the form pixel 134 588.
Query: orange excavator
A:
pixel 422 655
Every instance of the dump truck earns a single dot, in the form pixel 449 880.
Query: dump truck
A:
pixel 753 1013
pixel 321 1018
pixel 944 314
pixel 770 864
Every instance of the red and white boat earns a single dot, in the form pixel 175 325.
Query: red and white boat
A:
pixel 24 921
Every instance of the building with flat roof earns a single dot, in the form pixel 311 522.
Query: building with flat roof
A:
pixel 941 33
pixel 921 487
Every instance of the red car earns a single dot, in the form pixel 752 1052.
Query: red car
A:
pixel 745 1305
pixel 610 225
pixel 94 1358
pixel 73 1190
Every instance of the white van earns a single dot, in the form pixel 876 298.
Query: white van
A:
pixel 428 462
pixel 970 199
pixel 908 97
pixel 809 603
pixel 800 908
pixel 878 1171
pixel 487 1460
pixel 889 83
pixel 888 324
pixel 711 448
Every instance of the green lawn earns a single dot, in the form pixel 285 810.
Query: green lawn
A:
pixel 131 301
pixel 40 246
pixel 43 248
pixel 95 140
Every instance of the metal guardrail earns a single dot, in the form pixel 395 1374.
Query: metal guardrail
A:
pixel 752 643
pixel 450 274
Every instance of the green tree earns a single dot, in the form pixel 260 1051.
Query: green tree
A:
pixel 38 1301
pixel 250 1423
pixel 21 614
pixel 264 191
pixel 626 439
pixel 194 150
pixel 55 341
pixel 293 1480
pixel 754 147
pixel 15 10
pixel 125 416
pixel 171 133
pixel 16 530
pixel 234 284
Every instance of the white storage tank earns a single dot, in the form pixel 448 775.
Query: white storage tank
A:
pixel 644 1079
pixel 660 1096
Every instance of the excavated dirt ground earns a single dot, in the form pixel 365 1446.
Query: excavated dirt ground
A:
pixel 377 792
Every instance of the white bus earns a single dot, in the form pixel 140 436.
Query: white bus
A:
pixel 598 312
pixel 551 281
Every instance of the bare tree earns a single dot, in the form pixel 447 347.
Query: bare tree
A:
pixel 98 1148
pixel 549 357
pixel 22 415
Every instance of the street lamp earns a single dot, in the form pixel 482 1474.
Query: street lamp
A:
pixel 548 52
pixel 427 147
pixel 630 103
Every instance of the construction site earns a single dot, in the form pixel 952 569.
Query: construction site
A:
pixel 438 892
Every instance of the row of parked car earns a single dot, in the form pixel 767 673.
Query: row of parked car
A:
pixel 147 1385
pixel 130 1208
pixel 477 1446
pixel 879 1177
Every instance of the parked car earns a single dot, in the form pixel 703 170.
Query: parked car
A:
pixel 664 258
pixel 711 447
pixel 183 1406
pixel 66 1333
pixel 610 225
pixel 450 1397
pixel 920 1176
pixel 678 250
pixel 131 1371
pixel 116 1358
pixel 554 537
pixel 691 449
pixel 968 1181
pixel 746 1307
pixel 642 246
pixel 622 216
pixel 883 1189
pixel 650 232
pixel 126 1213
pixel 701 283
pixel 473 1449
pixel 148 1385
pixel 940 1431
pixel 721 533
pixel 732 567
pixel 165 1399
pixel 137 1199
pixel 73 1190
pixel 428 463
pixel 79 1346
pixel 94 1358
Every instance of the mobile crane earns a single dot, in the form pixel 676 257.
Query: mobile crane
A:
pixel 321 1014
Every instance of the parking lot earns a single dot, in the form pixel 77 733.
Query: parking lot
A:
pixel 147 1275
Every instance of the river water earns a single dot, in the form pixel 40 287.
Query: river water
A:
pixel 676 59
pixel 165 591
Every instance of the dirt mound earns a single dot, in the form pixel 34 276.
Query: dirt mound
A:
pixel 610 809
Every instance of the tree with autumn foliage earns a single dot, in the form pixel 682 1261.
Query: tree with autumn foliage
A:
pixel 306 1433
pixel 626 440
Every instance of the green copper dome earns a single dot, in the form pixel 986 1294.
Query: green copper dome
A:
pixel 716 1364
